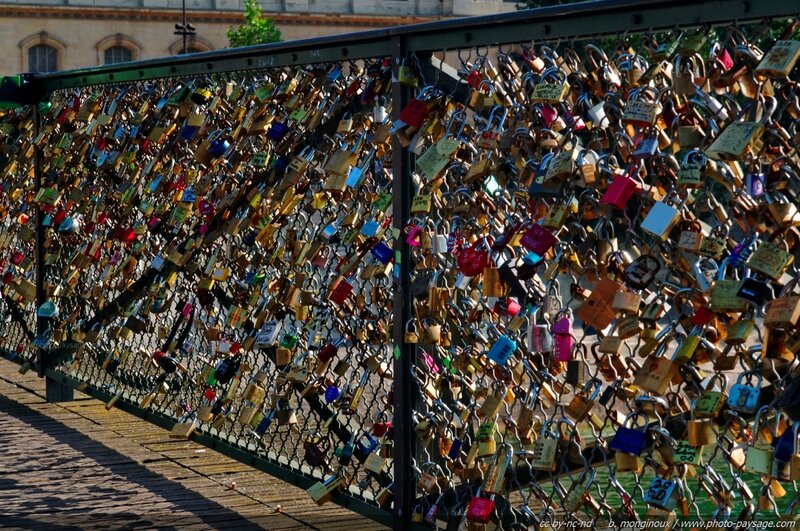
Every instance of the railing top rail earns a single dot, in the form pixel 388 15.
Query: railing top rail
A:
pixel 584 19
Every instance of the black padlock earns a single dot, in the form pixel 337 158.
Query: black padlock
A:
pixel 754 290
pixel 228 368
pixel 576 372
pixel 642 272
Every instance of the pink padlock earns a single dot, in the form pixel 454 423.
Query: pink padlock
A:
pixel 562 334
pixel 430 362
pixel 412 239
pixel 549 114
pixel 538 239
pixel 508 306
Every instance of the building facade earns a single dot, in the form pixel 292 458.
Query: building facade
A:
pixel 50 35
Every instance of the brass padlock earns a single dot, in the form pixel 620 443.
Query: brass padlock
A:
pixel 760 456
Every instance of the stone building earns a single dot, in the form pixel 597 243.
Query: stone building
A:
pixel 48 35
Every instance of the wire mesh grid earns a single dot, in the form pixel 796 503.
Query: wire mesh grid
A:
pixel 211 261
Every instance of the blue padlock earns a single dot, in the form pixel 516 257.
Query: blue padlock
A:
pixel 661 493
pixel 629 440
pixel 280 163
pixel 367 444
pixel 189 196
pixel 370 228
pixel 744 397
pixel 277 131
pixel 331 393
pixel 455 449
pixel 784 445
pixel 263 426
pixel 188 132
pixel 382 252
pixel 502 350
pixel 219 147
pixel 154 184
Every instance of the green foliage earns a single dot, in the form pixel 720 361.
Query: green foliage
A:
pixel 257 29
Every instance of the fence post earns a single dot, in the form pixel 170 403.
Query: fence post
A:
pixel 404 492
pixel 54 391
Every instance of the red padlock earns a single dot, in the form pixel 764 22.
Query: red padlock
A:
pixel 59 216
pixel 473 79
pixel 619 193
pixel 474 259
pixel 702 316
pixel 124 235
pixel 206 209
pixel 480 509
pixel 549 114
pixel 341 292
pixel 327 353
pixel 414 113
pixel 538 239
pixel 379 429
pixel 508 307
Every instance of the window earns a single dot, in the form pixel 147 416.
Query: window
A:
pixel 42 58
pixel 117 48
pixel 41 52
pixel 117 54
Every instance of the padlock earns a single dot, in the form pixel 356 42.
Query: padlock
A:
pixel 760 457
pixel 744 397
pixel 428 481
pixel 700 431
pixel 538 239
pixel 492 283
pixel 661 218
pixel 495 478
pixel 661 493
pixel 770 260
pixel 562 338
pixel 545 450
pixel 622 189
pixel 502 350
pixel 656 374
pixel 596 310
pixel 480 509
pixel 642 107
pixel 583 401
pixel 411 336
pixel 486 438
pixel 322 491
pixel 552 87
pixel 629 440
pixel 578 492
pixel 710 402
pixel 739 137
pixel 642 272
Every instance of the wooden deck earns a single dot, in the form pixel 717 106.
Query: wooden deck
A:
pixel 77 466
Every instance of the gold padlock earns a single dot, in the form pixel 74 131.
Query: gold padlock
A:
pixel 760 456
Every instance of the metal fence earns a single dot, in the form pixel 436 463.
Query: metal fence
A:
pixel 378 265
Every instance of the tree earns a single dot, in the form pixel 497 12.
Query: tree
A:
pixel 257 29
